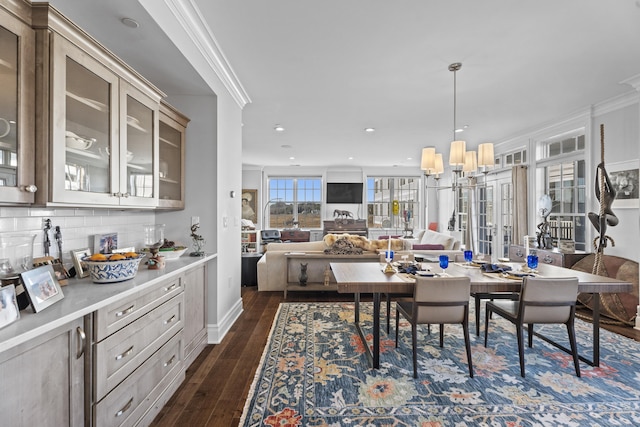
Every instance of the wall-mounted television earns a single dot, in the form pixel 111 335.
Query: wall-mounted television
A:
pixel 344 192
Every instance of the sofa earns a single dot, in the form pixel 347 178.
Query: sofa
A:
pixel 429 243
pixel 272 266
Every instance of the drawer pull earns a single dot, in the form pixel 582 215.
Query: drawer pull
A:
pixel 170 288
pixel 125 354
pixel 170 320
pixel 548 259
pixel 82 342
pixel 125 311
pixel 170 361
pixel 125 408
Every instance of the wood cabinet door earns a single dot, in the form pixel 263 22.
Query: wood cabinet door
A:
pixel 43 380
pixel 195 322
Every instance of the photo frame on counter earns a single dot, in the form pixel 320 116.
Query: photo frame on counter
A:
pixel 42 287
pixel 9 310
pixel 624 179
pixel 105 243
pixel 76 257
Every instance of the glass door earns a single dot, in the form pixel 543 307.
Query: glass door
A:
pixel 16 111
pixel 85 144
pixel 171 147
pixel 139 154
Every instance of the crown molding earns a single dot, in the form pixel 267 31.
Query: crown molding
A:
pixel 194 25
pixel 633 81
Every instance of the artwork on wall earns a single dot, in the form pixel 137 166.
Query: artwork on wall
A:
pixel 624 179
pixel 249 201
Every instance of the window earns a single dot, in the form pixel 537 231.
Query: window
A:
pixel 294 201
pixel 382 192
pixel 561 174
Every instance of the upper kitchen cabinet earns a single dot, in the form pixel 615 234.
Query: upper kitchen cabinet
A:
pixel 97 121
pixel 17 80
pixel 173 127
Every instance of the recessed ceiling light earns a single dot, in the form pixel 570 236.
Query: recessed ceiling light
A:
pixel 350 158
pixel 131 23
pixel 292 158
pixel 409 158
pixel 279 128
pixel 369 129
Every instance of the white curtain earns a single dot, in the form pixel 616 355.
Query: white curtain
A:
pixel 520 224
pixel 472 226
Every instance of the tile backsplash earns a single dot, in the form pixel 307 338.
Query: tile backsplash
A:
pixel 78 226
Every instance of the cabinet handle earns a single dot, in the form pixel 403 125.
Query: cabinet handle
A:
pixel 125 408
pixel 170 320
pixel 547 259
pixel 31 188
pixel 81 342
pixel 125 311
pixel 170 361
pixel 125 354
pixel 170 288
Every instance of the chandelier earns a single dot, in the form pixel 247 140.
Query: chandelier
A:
pixel 460 160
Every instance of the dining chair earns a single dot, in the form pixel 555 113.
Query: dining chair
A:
pixel 397 297
pixel 442 300
pixel 542 300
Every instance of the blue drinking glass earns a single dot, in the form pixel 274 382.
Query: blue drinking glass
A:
pixel 532 261
pixel 468 256
pixel 444 262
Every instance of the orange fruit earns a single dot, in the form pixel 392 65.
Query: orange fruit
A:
pixel 117 257
pixel 98 257
pixel 131 255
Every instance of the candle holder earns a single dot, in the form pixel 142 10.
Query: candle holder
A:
pixel 153 239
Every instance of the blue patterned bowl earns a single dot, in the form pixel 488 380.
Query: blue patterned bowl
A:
pixel 112 271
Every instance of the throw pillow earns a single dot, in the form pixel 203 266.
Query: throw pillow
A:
pixel 435 238
pixel 428 247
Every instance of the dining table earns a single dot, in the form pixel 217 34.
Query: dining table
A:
pixel 370 278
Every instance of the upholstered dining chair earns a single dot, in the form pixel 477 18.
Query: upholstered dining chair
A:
pixel 542 300
pixel 442 300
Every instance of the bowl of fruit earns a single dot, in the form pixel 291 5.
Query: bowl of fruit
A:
pixel 111 268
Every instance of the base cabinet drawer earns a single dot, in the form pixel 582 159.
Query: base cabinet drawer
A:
pixel 121 353
pixel 135 396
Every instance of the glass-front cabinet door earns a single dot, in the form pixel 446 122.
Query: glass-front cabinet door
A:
pixel 85 151
pixel 17 67
pixel 171 148
pixel 138 155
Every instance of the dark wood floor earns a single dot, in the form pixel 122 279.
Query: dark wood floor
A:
pixel 218 382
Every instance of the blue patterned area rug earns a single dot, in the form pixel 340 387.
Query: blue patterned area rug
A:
pixel 314 373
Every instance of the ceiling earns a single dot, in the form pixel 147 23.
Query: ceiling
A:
pixel 326 70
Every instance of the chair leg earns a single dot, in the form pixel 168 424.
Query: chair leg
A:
pixel 520 348
pixel 530 334
pixel 477 302
pixel 414 344
pixel 441 335
pixel 467 345
pixel 574 346
pixel 486 324
pixel 397 319
pixel 388 311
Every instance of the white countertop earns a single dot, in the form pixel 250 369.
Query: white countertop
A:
pixel 82 296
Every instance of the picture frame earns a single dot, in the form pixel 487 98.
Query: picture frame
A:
pixel 249 205
pixel 41 287
pixel 105 243
pixel 76 257
pixel 9 310
pixel 624 179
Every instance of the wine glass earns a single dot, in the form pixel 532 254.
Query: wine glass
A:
pixel 444 262
pixel 468 256
pixel 532 262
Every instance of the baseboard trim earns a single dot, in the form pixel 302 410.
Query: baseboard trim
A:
pixel 217 331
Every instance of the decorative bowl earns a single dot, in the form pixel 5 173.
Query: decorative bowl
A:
pixel 113 271
pixel 170 253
